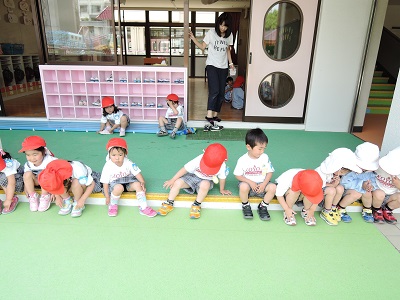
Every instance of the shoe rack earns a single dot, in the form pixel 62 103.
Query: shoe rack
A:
pixel 75 92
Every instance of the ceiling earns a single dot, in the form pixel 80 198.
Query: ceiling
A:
pixel 220 5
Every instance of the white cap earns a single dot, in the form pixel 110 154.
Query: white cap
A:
pixel 367 156
pixel 390 163
pixel 340 158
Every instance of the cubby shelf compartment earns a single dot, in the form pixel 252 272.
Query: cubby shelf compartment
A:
pixel 139 91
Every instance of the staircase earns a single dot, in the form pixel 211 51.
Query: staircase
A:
pixel 381 94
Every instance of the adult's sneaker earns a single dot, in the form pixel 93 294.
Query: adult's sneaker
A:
pixel 388 216
pixel 33 202
pixel 344 215
pixel 328 217
pixel 216 127
pixel 367 215
pixel 378 216
pixel 12 207
pixel 165 209
pixel 195 212
pixel 247 213
pixel 207 127
pixel 263 212
pixel 44 202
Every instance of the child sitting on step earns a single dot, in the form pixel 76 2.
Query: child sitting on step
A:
pixel 363 185
pixel 11 181
pixel 60 177
pixel 295 185
pixel 112 118
pixel 173 119
pixel 38 157
pixel 120 175
pixel 198 176
pixel 254 171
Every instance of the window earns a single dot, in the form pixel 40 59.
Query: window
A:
pixel 135 40
pixel 205 17
pixel 158 16
pixel 177 17
pixel 133 15
pixel 83 9
pixel 159 40
pixel 96 9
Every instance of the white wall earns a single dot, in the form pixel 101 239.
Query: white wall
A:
pixel 339 50
pixel 391 139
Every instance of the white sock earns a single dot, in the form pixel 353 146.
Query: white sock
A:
pixel 141 197
pixel 114 199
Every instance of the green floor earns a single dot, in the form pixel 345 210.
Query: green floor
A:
pixel 219 256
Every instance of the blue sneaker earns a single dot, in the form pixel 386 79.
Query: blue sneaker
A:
pixel 367 215
pixel 343 215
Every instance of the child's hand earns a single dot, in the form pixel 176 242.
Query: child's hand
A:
pixel 107 200
pixel 59 201
pixel 289 212
pixel 253 186
pixel 396 181
pixel 225 192
pixel 168 184
pixel 80 203
pixel 143 186
pixel 367 186
pixel 310 216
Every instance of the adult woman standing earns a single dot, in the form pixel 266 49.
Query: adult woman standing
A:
pixel 218 41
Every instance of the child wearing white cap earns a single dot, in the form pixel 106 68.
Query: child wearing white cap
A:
pixel 388 180
pixel 340 162
pixel 363 185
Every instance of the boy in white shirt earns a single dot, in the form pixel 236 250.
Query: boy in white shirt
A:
pixel 173 119
pixel 254 172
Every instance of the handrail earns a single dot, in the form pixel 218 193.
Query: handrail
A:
pixel 388 54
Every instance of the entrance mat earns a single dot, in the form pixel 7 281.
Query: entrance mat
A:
pixel 223 135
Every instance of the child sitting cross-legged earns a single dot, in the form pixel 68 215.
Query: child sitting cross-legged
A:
pixel 198 176
pixel 254 172
pixel 173 119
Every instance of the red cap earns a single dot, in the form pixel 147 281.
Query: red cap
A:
pixel 238 82
pixel 117 142
pixel 213 158
pixel 32 142
pixel 173 97
pixel 52 178
pixel 310 184
pixel 107 101
pixel 2 164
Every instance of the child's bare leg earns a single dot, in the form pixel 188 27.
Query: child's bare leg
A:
pixel 244 190
pixel 338 195
pixel 349 198
pixel 178 123
pixel 270 190
pixel 124 122
pixel 178 185
pixel 377 198
pixel 203 191
pixel 394 201
pixel 329 193
pixel 29 183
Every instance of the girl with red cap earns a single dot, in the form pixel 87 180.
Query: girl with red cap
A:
pixel 198 176
pixel 120 175
pixel 38 156
pixel 173 119
pixel 112 118
pixel 11 181
pixel 61 177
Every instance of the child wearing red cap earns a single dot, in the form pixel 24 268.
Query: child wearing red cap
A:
pixel 388 180
pixel 198 176
pixel 173 119
pixel 61 177
pixel 254 171
pixel 112 118
pixel 11 181
pixel 295 184
pixel 38 156
pixel 121 174
pixel 238 93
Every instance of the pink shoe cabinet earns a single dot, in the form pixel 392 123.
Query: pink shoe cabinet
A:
pixel 75 92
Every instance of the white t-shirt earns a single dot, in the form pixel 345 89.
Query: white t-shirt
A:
pixel 112 172
pixel 326 178
pixel 11 168
pixel 217 49
pixel 114 118
pixel 193 166
pixel 171 115
pixel 385 182
pixel 284 181
pixel 253 169
pixel 82 172
pixel 30 167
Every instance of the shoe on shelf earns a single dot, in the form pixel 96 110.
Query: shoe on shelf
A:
pixel 122 132
pixel 336 214
pixel 113 210
pixel 378 216
pixel 195 212
pixel 172 135
pixel 77 212
pixel 162 133
pixel 367 215
pixel 13 205
pixel 263 213
pixel 291 221
pixel 329 217
pixel 165 209
pixel 33 202
pixel 96 103
pixel 344 216
pixel 148 211
pixel 66 208
pixel 388 216
pixel 247 213
pixel 44 202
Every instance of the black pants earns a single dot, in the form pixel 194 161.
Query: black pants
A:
pixel 216 87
